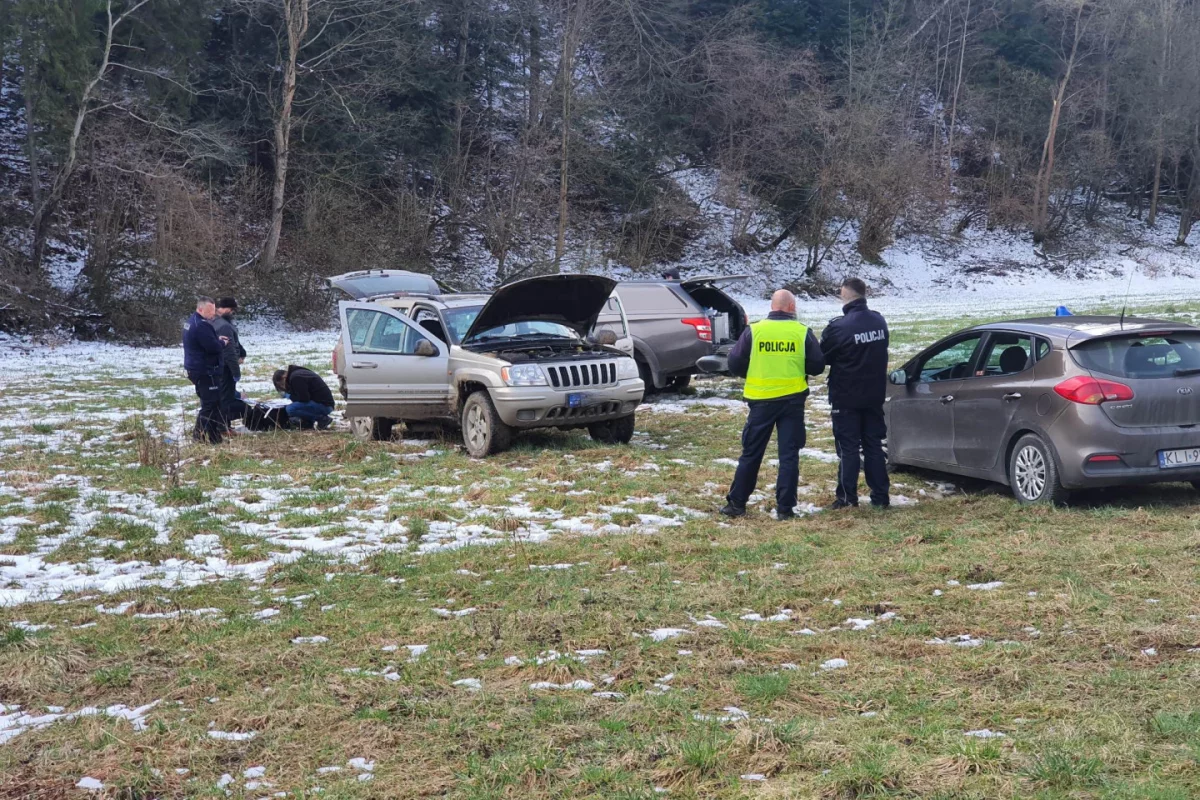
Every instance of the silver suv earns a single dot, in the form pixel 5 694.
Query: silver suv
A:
pixel 525 357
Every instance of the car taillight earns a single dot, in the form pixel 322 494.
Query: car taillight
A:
pixel 335 360
pixel 703 326
pixel 1092 391
pixel 1103 458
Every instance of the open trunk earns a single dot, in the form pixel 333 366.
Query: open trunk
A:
pixel 728 317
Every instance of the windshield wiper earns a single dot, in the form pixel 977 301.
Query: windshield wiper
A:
pixel 1183 373
pixel 543 334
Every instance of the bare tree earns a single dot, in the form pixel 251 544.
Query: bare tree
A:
pixel 1045 175
pixel 44 211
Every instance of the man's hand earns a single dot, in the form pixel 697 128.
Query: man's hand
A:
pixel 224 340
pixel 241 361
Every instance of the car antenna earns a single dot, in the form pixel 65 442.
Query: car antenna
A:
pixel 1128 289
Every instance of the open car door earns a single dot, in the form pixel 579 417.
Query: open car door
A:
pixel 394 369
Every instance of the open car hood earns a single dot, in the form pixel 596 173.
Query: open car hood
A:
pixel 572 300
pixel 375 282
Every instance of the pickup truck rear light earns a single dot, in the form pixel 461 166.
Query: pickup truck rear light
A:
pixel 335 361
pixel 703 326
pixel 1092 391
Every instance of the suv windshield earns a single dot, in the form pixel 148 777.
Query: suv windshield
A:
pixel 1157 356
pixel 459 321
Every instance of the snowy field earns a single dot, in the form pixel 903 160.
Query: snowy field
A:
pixel 304 615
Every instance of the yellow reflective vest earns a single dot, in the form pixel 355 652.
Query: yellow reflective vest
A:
pixel 776 359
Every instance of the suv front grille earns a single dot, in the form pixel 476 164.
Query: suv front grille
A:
pixel 589 373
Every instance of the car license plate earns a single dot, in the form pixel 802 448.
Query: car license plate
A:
pixel 1172 459
pixel 576 400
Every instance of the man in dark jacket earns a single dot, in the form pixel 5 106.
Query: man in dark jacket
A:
pixel 775 356
pixel 232 356
pixel 202 349
pixel 312 402
pixel 856 348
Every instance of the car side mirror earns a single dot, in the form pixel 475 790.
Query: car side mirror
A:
pixel 899 378
pixel 426 348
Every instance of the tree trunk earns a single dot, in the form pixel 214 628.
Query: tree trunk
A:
pixel 28 88
pixel 295 16
pixel 1156 186
pixel 568 88
pixel 535 68
pixel 1045 175
pixel 1187 211
pixel 962 57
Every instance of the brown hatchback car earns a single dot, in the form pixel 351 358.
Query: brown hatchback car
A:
pixel 1053 404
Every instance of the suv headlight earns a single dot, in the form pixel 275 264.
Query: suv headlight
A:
pixel 627 368
pixel 523 375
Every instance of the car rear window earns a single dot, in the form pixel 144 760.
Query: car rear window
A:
pixel 1157 356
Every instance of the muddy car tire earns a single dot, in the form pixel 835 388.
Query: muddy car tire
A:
pixel 1033 473
pixel 373 429
pixel 483 432
pixel 615 431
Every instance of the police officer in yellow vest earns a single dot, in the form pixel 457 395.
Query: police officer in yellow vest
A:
pixel 775 356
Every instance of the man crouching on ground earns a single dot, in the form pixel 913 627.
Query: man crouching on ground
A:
pixel 774 355
pixel 312 402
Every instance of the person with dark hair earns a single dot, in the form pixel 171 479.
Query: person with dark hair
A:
pixel 670 274
pixel 232 406
pixel 775 356
pixel 312 402
pixel 202 348
pixel 856 349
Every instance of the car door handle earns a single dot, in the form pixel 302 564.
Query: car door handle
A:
pixel 1013 396
pixel 364 364
pixel 947 398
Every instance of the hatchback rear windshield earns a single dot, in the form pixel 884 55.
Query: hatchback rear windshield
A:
pixel 1157 356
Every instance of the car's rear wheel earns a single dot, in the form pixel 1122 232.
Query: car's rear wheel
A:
pixel 373 429
pixel 483 432
pixel 1033 473
pixel 614 431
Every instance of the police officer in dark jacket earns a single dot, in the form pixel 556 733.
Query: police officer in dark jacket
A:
pixel 202 348
pixel 775 356
pixel 232 356
pixel 856 349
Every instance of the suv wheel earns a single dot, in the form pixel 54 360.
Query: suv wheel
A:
pixel 372 429
pixel 614 431
pixel 1033 474
pixel 483 432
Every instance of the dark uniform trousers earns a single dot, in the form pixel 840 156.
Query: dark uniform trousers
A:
pixel 855 430
pixel 210 423
pixel 232 406
pixel 785 416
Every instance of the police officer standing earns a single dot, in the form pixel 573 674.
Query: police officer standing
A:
pixel 202 348
pixel 855 346
pixel 775 356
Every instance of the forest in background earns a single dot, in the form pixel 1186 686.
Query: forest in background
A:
pixel 151 149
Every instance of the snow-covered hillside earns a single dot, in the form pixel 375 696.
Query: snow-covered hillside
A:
pixel 944 275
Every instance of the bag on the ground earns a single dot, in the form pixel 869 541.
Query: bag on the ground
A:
pixel 262 417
